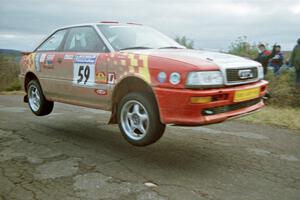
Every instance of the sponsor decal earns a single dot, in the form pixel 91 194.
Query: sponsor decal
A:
pixel 37 62
pixel 101 77
pixel 123 62
pixel 30 61
pixel 84 70
pixel 68 57
pixel 42 58
pixel 111 78
pixel 85 59
pixel 49 59
pixel 139 65
pixel 101 92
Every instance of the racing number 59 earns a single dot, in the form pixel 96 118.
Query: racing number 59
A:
pixel 86 74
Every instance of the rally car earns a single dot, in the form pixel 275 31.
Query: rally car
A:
pixel 143 77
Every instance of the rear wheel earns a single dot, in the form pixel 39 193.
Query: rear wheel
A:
pixel 138 118
pixel 37 102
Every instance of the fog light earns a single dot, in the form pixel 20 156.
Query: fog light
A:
pixel 200 99
pixel 208 112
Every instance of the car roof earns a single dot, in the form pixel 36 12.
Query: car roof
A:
pixel 86 24
pixel 98 23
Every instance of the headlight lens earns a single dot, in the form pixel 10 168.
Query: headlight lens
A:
pixel 162 77
pixel 260 72
pixel 174 78
pixel 208 78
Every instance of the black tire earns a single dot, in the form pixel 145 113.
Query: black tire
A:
pixel 148 105
pixel 45 107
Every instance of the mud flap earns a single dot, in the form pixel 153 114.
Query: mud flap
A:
pixel 113 117
pixel 25 99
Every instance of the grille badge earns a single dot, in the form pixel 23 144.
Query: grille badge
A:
pixel 245 74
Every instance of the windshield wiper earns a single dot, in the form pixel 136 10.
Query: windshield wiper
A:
pixel 171 47
pixel 139 47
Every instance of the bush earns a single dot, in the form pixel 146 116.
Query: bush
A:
pixel 283 90
pixel 9 71
pixel 14 86
pixel 241 47
pixel 185 42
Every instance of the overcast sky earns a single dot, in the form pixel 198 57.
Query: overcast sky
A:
pixel 211 24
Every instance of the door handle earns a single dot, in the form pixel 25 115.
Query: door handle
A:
pixel 59 60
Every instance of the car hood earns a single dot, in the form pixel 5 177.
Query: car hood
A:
pixel 201 58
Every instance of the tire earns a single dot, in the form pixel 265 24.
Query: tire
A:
pixel 37 102
pixel 139 120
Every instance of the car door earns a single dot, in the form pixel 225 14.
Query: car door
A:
pixel 84 52
pixel 49 65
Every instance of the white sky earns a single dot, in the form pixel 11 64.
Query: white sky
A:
pixel 211 24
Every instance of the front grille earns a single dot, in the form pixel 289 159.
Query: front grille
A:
pixel 223 109
pixel 233 75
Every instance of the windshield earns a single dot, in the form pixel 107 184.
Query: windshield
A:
pixel 122 37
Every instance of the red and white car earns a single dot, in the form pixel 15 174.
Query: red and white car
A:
pixel 144 78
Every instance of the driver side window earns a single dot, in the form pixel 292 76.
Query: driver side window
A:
pixel 84 39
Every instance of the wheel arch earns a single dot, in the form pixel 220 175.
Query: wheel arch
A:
pixel 125 86
pixel 28 77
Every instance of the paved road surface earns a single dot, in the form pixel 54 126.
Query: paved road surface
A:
pixel 73 154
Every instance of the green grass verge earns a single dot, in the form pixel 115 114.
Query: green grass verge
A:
pixel 16 92
pixel 283 117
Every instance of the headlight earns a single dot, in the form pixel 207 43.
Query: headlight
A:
pixel 175 78
pixel 260 72
pixel 206 79
pixel 161 77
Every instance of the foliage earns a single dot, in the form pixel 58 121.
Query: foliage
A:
pixel 9 70
pixel 242 47
pixel 185 42
pixel 14 86
pixel 283 89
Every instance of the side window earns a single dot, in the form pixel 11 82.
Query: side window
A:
pixel 84 39
pixel 53 43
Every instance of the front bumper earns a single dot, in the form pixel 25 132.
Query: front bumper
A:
pixel 176 108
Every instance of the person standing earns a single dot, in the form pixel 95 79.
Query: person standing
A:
pixel 264 56
pixel 295 61
pixel 277 61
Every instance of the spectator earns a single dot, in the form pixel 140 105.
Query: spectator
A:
pixel 264 56
pixel 277 61
pixel 295 61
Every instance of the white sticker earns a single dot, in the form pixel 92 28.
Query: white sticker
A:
pixel 68 57
pixel 37 62
pixel 84 70
pixel 42 58
pixel 111 78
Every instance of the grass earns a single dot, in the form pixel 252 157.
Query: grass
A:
pixel 271 115
pixel 16 92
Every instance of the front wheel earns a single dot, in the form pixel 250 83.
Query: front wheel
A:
pixel 138 117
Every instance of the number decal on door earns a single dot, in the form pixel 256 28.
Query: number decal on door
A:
pixel 83 74
pixel 84 70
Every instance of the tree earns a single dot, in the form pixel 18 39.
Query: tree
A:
pixel 242 47
pixel 185 42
